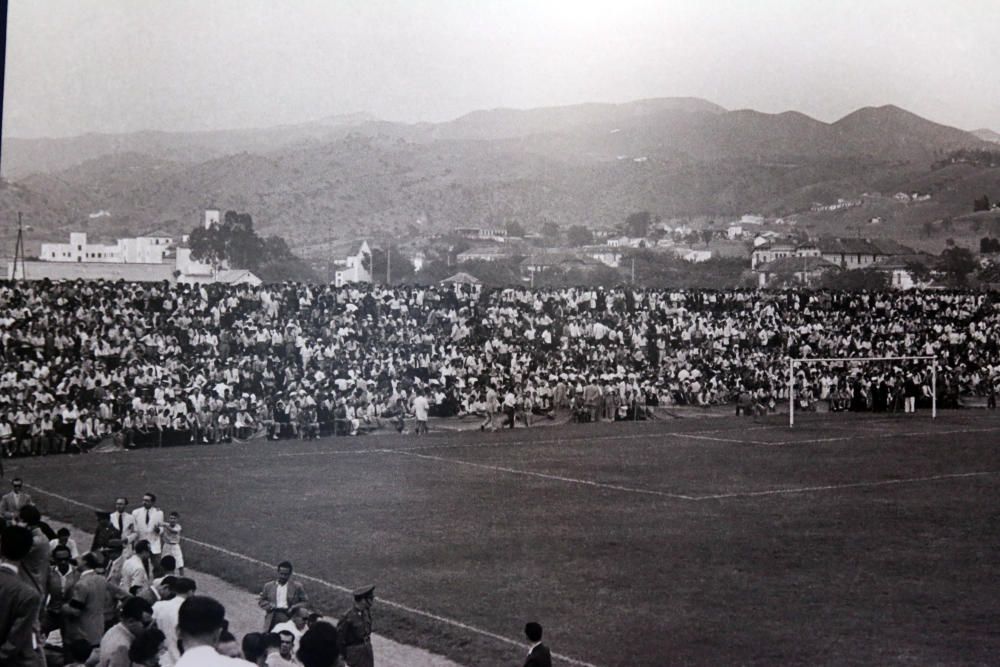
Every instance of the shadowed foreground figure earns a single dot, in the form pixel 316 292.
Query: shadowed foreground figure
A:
pixel 19 603
pixel 200 622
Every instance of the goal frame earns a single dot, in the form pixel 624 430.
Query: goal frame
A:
pixel 792 361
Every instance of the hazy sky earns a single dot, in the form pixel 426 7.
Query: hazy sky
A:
pixel 76 66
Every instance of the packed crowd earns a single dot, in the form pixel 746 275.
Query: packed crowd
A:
pixel 125 602
pixel 158 364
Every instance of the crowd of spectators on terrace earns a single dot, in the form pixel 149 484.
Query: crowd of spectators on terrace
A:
pixel 161 364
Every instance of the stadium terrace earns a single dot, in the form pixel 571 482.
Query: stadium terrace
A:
pixel 151 364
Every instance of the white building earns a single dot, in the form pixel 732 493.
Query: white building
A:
pixel 212 218
pixel 484 253
pixel 604 254
pixel 692 255
pixel 350 258
pixel 147 249
pixel 191 267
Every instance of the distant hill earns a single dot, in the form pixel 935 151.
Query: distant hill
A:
pixel 510 123
pixel 987 135
pixel 889 130
pixel 589 164
pixel 21 157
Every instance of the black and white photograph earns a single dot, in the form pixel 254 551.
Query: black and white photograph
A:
pixel 485 333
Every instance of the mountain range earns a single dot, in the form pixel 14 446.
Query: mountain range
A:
pixel 589 164
pixel 987 135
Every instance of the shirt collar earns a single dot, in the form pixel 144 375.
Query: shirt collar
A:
pixel 534 646
pixel 9 566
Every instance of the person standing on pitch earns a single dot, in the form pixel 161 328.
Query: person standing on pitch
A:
pixel 278 596
pixel 539 654
pixel 421 410
pixel 148 526
pixel 355 630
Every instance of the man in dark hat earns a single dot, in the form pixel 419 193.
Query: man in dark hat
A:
pixel 355 630
pixel 104 533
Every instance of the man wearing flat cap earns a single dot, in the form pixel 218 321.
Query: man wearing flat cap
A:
pixel 355 630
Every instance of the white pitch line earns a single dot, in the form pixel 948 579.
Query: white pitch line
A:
pixel 836 487
pixel 336 587
pixel 584 439
pixel 81 462
pixel 698 436
pixel 885 435
pixel 541 475
pixel 678 496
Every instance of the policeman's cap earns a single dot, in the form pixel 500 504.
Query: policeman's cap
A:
pixel 364 592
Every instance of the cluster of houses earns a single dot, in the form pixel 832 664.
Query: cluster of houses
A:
pixel 806 261
pixel 773 259
pixel 153 256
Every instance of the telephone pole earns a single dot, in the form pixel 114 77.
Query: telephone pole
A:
pixel 388 262
pixel 19 251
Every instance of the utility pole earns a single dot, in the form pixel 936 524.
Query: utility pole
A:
pixel 329 252
pixel 388 262
pixel 633 270
pixel 19 251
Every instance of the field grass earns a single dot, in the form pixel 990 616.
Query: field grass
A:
pixel 846 540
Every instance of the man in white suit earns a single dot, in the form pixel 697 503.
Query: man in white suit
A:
pixel 148 521
pixel 124 522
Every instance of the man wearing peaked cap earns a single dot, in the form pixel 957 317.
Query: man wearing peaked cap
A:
pixel 364 592
pixel 354 632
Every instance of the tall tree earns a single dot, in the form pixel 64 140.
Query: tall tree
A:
pixel 400 268
pixel 514 228
pixel 958 263
pixel 234 243
pixel 578 235
pixel 637 224
pixel 550 233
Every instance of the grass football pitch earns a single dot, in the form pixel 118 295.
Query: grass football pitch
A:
pixel 844 540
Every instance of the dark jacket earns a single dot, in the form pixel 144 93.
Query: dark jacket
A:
pixel 540 656
pixel 19 607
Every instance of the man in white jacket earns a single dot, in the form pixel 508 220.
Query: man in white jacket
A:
pixel 148 522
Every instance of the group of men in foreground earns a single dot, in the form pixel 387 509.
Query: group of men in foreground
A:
pixel 121 605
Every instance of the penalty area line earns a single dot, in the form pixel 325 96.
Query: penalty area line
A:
pixel 837 487
pixel 337 587
pixel 546 476
pixel 689 498
pixel 880 436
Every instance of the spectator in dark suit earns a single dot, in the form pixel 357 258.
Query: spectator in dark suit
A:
pixel 19 603
pixel 539 654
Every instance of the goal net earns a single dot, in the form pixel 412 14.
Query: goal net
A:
pixel 871 384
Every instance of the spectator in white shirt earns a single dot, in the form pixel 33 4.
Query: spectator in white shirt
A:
pixel 200 621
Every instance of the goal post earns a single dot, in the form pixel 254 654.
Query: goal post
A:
pixel 793 362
